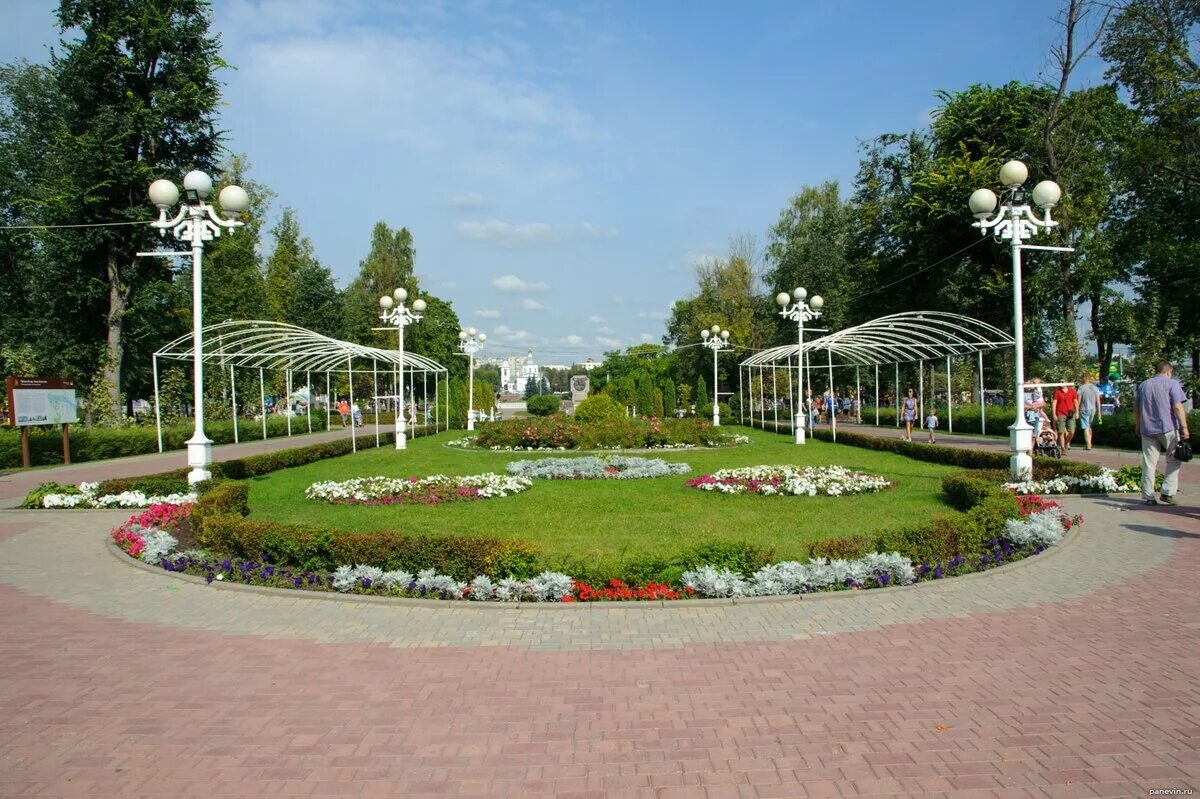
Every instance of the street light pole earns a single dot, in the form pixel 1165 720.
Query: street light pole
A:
pixel 716 340
pixel 470 341
pixel 197 222
pixel 401 317
pixel 800 312
pixel 1016 222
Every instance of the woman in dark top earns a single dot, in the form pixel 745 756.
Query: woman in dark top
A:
pixel 909 413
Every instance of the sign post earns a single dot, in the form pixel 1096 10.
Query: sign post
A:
pixel 42 400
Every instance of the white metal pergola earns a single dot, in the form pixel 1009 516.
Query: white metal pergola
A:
pixel 917 337
pixel 261 346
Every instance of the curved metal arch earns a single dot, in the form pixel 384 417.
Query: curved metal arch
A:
pixel 278 345
pixel 897 338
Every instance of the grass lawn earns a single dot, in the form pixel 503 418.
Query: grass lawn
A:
pixel 573 520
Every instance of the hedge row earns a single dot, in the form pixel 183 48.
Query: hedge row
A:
pixel 100 443
pixel 236 468
pixel 1115 431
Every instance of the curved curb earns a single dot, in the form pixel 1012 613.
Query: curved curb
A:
pixel 1070 540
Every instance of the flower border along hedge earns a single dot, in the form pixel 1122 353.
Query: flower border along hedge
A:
pixel 561 432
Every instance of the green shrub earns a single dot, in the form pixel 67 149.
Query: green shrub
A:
pixel 705 411
pixel 543 404
pixel 847 547
pixel 34 498
pixel 227 498
pixel 598 408
pixel 173 482
pixel 965 490
pixel 324 549
pixel 739 556
pixel 557 431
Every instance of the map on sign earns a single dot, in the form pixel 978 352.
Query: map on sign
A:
pixel 35 401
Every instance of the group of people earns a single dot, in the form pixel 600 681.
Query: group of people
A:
pixel 349 412
pixel 908 415
pixel 1069 407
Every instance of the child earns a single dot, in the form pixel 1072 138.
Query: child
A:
pixel 931 422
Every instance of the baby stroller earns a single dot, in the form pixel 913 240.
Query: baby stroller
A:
pixel 1046 441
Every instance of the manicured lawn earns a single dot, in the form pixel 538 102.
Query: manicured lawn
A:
pixel 571 521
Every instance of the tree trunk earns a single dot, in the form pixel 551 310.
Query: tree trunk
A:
pixel 117 303
pixel 1104 348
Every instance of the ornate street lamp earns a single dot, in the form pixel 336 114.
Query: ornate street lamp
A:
pixel 800 312
pixel 1015 221
pixel 470 341
pixel 395 313
pixel 716 340
pixel 197 222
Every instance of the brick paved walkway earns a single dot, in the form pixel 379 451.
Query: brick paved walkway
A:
pixel 1073 675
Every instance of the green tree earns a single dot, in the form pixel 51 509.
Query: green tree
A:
pixel 388 266
pixel 645 395
pixel 701 392
pixel 670 401
pixel 317 303
pixel 292 249
pixel 234 286
pixel 436 337
pixel 658 410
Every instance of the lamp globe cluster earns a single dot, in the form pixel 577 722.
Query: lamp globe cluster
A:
pixel 197 186
pixel 1013 175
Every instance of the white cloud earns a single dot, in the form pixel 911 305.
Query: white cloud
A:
pixel 645 337
pixel 606 330
pixel 468 200
pixel 515 336
pixel 572 339
pixel 652 315
pixel 488 313
pixel 611 343
pixel 511 284
pixel 530 304
pixel 595 319
pixel 507 234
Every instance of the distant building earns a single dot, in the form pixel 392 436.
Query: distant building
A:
pixel 589 365
pixel 516 372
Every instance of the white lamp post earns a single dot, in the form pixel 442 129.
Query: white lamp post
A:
pixel 395 313
pixel 470 341
pixel 716 340
pixel 1016 222
pixel 800 312
pixel 197 222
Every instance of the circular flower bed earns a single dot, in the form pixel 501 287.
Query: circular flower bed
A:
pixel 432 490
pixel 806 481
pixel 617 467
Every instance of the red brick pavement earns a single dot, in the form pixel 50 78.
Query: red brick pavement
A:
pixel 1093 697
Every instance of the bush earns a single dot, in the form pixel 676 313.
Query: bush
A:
pixel 599 408
pixel 739 556
pixel 554 432
pixel 230 498
pixel 324 548
pixel 965 490
pixel 705 411
pixel 848 547
pixel 543 404
pixel 34 498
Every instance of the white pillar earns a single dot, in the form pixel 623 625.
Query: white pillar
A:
pixel 157 410
pixel 921 393
pixel 233 402
pixel 742 400
pixel 832 415
pixel 288 402
pixel 308 377
pixel 877 395
pixel 858 394
pixel 896 397
pixel 375 399
pixel 774 398
pixel 262 401
pixel 350 382
pixel 328 404
pixel 982 399
pixel 199 446
pixel 949 399
pixel 401 433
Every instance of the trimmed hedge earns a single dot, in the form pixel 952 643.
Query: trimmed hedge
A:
pixel 230 498
pixel 543 404
pixel 175 481
pixel 323 548
pixel 100 443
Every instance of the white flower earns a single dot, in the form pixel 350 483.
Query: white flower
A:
pixel 366 489
pixel 1105 482
pixel 794 481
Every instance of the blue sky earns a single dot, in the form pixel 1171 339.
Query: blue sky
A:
pixel 563 165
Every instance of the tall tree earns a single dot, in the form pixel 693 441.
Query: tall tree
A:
pixel 137 82
pixel 292 250
pixel 387 267
pixel 234 285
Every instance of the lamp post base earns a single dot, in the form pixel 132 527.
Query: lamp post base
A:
pixel 1020 437
pixel 799 428
pixel 401 435
pixel 470 421
pixel 716 419
pixel 199 449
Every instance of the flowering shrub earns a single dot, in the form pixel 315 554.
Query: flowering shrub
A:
pixel 129 540
pixel 790 480
pixel 162 516
pixel 561 433
pixel 432 490
pixel 86 496
pixel 615 467
pixel 617 591
pixel 1108 482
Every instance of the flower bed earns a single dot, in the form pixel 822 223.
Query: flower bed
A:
pixel 809 481
pixel 1041 524
pixel 559 432
pixel 433 490
pixel 86 495
pixel 1106 482
pixel 615 467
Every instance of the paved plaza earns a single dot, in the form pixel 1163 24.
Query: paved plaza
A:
pixel 1074 673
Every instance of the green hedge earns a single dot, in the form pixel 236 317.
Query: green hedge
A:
pixel 543 404
pixel 101 443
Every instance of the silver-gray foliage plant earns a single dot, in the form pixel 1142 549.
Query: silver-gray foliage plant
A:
pixel 596 468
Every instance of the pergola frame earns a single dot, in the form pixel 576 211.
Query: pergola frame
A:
pixel 916 337
pixel 262 345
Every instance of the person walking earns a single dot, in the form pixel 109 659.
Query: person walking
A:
pixel 1066 405
pixel 344 412
pixel 1089 407
pixel 909 413
pixel 1035 401
pixel 1161 421
pixel 931 423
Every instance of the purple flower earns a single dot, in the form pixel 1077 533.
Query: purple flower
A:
pixel 297 582
pixel 226 565
pixel 937 573
pixel 208 577
pixel 885 578
pixel 366 582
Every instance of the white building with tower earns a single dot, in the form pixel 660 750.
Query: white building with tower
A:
pixel 516 372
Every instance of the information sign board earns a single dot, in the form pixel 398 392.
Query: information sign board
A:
pixel 41 400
